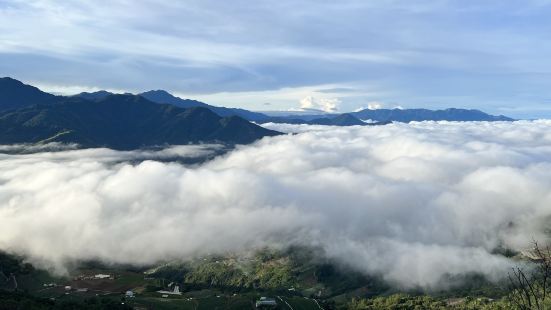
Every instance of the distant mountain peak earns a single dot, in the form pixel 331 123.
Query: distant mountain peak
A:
pixel 346 116
pixel 11 82
pixel 94 96
pixel 15 94
pixel 7 79
pixel 162 96
pixel 158 92
pixel 345 119
pixel 409 115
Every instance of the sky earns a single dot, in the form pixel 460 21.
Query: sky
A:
pixel 432 203
pixel 290 54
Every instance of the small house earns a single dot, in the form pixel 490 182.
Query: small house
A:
pixel 265 302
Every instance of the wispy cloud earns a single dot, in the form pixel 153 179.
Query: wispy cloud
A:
pixel 411 50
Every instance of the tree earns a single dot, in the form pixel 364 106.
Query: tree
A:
pixel 530 290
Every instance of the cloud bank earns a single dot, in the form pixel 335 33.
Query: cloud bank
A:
pixel 410 202
pixel 323 104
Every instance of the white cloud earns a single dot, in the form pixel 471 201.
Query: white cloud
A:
pixel 373 105
pixel 411 202
pixel 323 104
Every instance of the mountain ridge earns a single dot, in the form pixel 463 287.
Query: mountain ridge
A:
pixel 15 94
pixel 123 122
pixel 409 115
pixel 20 95
pixel 162 96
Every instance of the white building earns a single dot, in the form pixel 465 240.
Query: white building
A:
pixel 102 276
pixel 266 302
pixel 175 291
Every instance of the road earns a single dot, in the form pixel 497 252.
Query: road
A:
pixel 288 305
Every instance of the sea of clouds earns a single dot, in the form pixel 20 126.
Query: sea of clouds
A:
pixel 410 202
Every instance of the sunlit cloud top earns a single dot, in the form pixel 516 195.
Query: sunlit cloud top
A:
pixel 490 55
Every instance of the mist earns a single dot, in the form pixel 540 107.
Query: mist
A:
pixel 412 203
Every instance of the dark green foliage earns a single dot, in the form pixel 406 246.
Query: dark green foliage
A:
pixel 13 264
pixel 407 302
pixel 24 301
pixel 470 284
pixel 212 282
pixel 260 272
pixel 215 273
pixel 19 300
pixel 298 269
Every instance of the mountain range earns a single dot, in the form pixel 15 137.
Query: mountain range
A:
pixel 353 118
pixel 409 115
pixel 345 119
pixel 152 118
pixel 115 121
pixel 163 97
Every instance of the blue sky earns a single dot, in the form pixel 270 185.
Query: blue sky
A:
pixel 279 55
